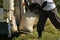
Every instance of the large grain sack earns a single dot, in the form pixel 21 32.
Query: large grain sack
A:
pixel 36 21
pixel 17 11
pixel 14 25
pixel 27 22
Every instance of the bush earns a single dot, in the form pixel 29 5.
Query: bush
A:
pixel 1 3
pixel 57 2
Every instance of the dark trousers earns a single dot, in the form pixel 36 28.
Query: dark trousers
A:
pixel 52 15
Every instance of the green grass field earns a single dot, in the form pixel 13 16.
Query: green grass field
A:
pixel 49 33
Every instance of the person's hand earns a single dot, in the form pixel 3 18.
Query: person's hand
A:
pixel 34 6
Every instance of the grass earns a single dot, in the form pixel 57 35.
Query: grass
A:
pixel 49 33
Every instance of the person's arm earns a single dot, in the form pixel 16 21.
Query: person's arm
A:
pixel 44 4
pixel 33 6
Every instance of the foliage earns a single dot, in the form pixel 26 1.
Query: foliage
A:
pixel 57 2
pixel 58 5
pixel 1 3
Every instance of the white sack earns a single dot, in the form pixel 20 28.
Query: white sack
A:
pixel 29 21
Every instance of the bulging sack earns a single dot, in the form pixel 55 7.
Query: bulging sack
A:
pixel 14 25
pixel 29 21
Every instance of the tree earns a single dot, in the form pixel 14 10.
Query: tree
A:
pixel 1 3
pixel 58 5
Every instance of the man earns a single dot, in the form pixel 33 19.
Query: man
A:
pixel 47 9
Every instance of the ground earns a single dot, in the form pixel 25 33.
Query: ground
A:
pixel 49 33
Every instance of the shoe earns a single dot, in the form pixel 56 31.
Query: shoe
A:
pixel 39 37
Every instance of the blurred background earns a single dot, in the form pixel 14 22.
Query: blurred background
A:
pixel 49 33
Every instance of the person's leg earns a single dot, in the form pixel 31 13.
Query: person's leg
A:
pixel 54 18
pixel 41 23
